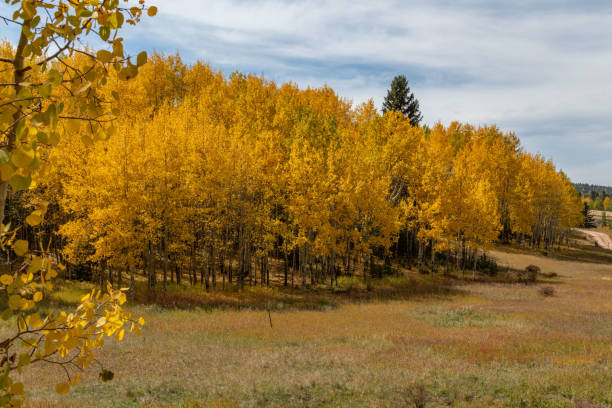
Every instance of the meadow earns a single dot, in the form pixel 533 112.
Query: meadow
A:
pixel 409 341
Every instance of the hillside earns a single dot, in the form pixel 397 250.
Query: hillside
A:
pixel 585 189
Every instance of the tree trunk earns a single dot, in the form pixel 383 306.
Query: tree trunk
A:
pixel 420 258
pixel 213 264
pixel 223 270
pixel 18 78
pixel 165 259
pixel 110 276
pixel 132 284
pixel 151 268
pixel 101 275
pixel 286 266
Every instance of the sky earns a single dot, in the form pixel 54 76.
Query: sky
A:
pixel 539 68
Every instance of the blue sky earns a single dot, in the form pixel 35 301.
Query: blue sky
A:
pixel 542 69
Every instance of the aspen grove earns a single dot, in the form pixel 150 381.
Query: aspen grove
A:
pixel 214 181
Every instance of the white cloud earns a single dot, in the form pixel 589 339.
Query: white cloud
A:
pixel 531 67
pixel 538 68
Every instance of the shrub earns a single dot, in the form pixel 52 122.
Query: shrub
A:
pixel 550 275
pixel 487 265
pixel 417 396
pixel 531 273
pixel 547 291
pixel 380 270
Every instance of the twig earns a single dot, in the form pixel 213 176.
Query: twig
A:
pixel 269 315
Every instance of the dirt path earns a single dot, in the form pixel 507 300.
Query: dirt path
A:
pixel 601 239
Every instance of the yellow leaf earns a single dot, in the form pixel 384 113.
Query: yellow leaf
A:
pixel 17 388
pixel 15 302
pixel 38 296
pixel 152 11
pixel 73 125
pixel 119 334
pixel 141 321
pixel 36 264
pixel 62 388
pixel 6 171
pixel 6 279
pixel 76 379
pixel 35 218
pixel 20 247
pixel 35 321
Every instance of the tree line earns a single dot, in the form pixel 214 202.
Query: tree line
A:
pixel 210 179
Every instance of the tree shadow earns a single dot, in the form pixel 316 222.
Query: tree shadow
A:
pixel 310 298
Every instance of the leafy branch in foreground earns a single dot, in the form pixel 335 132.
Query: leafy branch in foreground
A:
pixel 49 85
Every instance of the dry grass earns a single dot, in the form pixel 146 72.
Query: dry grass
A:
pixel 404 342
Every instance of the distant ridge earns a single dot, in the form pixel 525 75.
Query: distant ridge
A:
pixel 585 189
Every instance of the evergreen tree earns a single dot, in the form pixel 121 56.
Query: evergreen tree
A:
pixel 399 98
pixel 588 218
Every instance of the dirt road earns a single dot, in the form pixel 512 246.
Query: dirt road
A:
pixel 601 239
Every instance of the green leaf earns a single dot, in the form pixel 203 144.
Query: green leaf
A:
pixel 24 359
pixel 7 314
pixel 128 73
pixel 35 164
pixel 45 90
pixel 87 140
pixel 14 302
pixel 54 138
pixel 52 113
pixel 22 158
pixel 19 183
pixel 141 59
pixel 104 56
pixel 40 119
pixel 104 33
pixel 42 137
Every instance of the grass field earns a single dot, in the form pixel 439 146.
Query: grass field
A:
pixel 415 341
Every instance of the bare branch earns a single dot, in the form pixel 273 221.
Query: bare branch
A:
pixel 8 20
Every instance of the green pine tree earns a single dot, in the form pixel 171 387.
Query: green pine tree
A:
pixel 589 222
pixel 400 99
